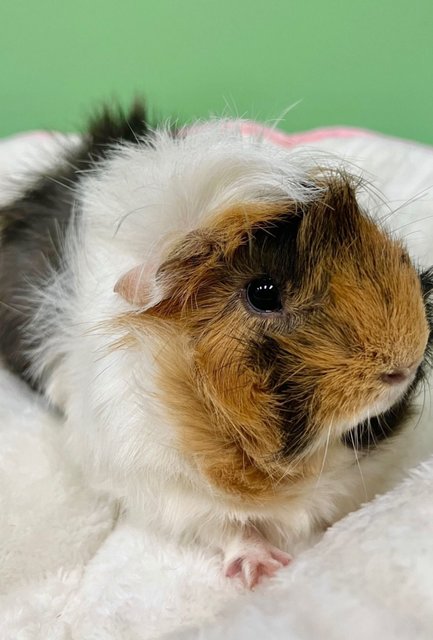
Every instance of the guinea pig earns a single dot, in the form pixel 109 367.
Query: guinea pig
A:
pixel 229 334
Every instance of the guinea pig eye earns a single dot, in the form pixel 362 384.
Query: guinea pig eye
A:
pixel 263 295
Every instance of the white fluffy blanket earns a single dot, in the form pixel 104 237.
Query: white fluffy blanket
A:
pixel 70 569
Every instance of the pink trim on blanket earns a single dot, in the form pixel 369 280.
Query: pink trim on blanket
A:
pixel 31 135
pixel 291 139
pixel 33 138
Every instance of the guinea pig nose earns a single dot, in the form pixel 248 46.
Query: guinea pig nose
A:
pixel 399 374
pixel 396 376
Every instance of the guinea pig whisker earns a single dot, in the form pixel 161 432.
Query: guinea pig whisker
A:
pixel 355 452
pixel 383 431
pixel 370 434
pixel 412 233
pixel 404 203
pixel 366 426
pixel 425 386
pixel 412 222
pixel 324 456
pixel 360 431
pixel 428 387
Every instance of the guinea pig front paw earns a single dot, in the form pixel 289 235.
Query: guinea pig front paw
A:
pixel 254 559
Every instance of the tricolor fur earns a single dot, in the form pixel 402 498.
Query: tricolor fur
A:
pixel 202 414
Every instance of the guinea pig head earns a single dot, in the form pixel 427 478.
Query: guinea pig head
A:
pixel 289 324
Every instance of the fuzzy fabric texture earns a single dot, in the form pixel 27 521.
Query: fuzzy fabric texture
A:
pixel 371 576
pixel 72 568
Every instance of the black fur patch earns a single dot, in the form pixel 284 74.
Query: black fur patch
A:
pixel 33 228
pixel 273 251
pixel 112 126
pixel 268 356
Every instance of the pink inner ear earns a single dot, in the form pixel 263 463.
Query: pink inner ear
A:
pixel 137 286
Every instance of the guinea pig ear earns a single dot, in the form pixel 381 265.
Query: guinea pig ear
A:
pixel 167 286
pixel 139 287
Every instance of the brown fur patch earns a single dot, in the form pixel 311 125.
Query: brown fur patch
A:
pixel 352 310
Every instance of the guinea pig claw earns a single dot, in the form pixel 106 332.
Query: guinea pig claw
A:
pixel 256 560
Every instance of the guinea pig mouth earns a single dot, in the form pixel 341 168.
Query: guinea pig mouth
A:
pixel 384 417
pixel 389 397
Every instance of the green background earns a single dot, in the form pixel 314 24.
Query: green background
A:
pixel 367 63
